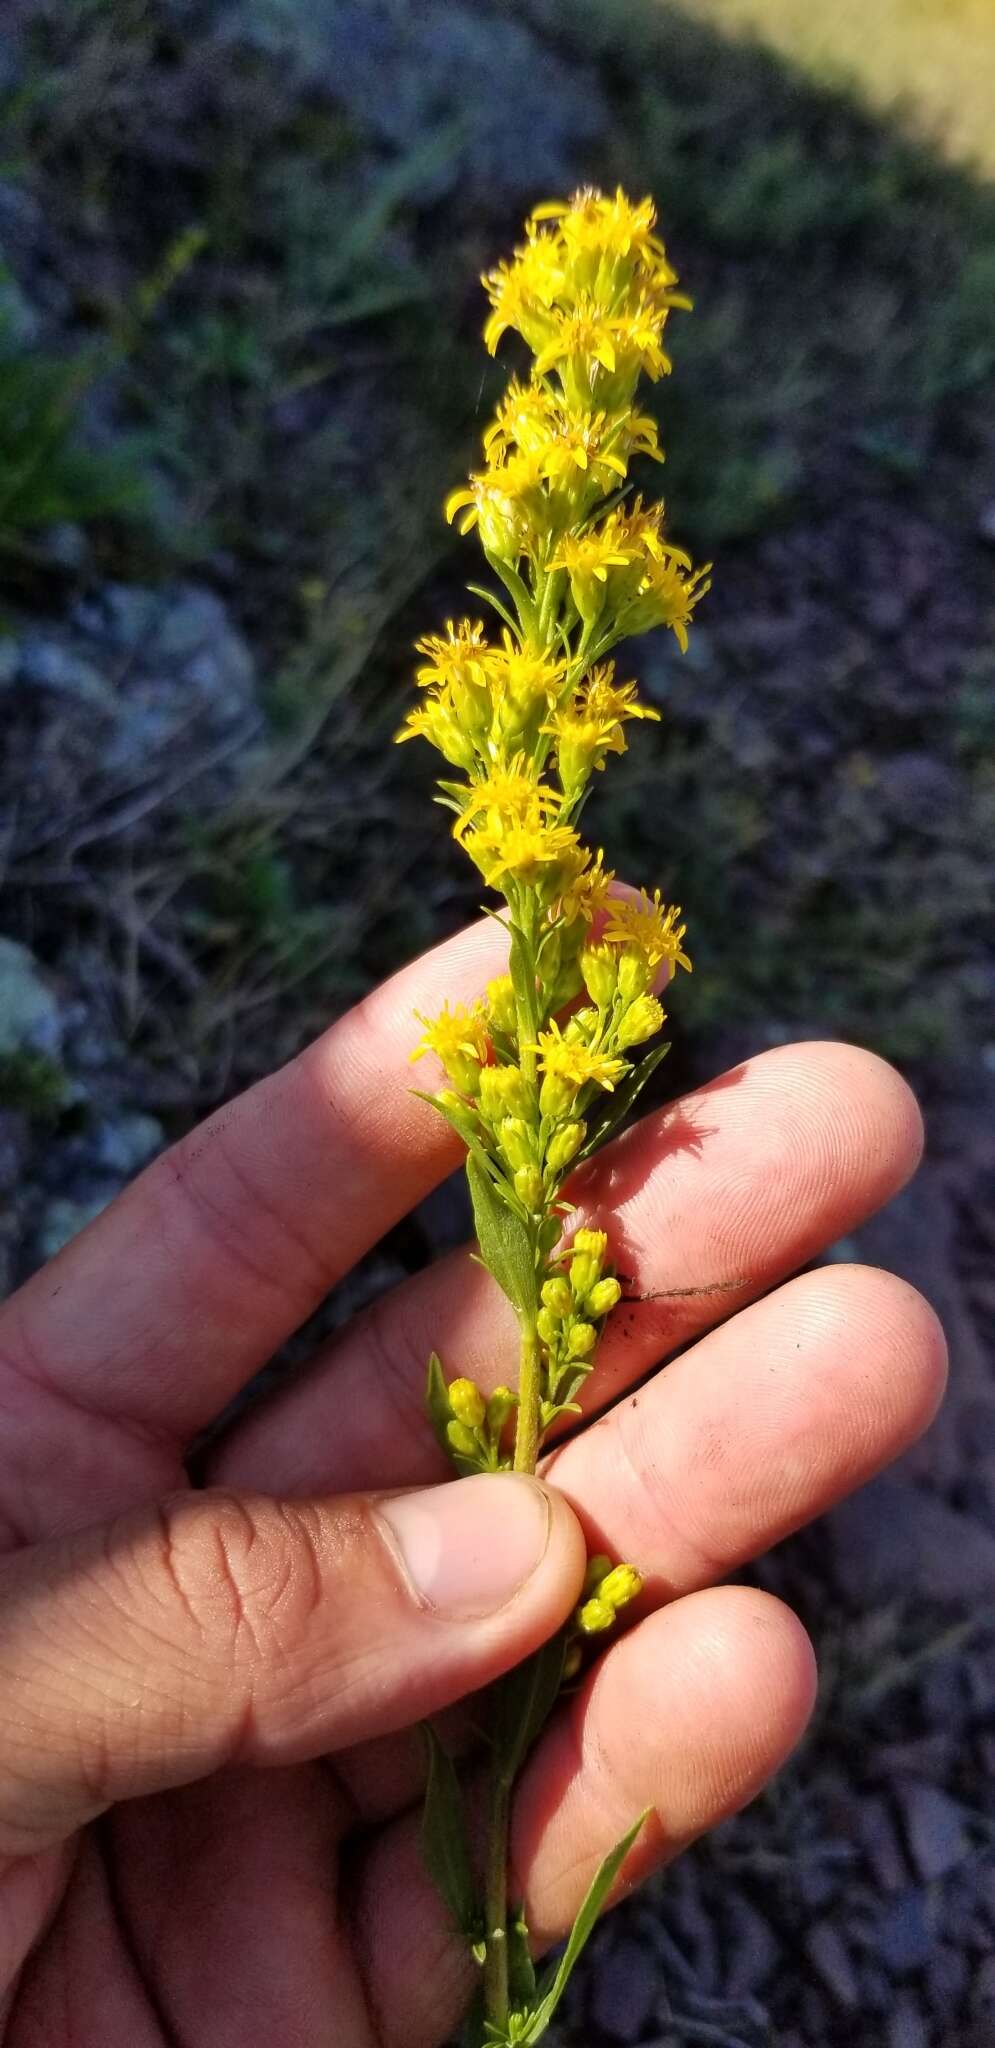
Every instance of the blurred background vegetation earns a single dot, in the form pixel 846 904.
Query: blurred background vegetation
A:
pixel 240 365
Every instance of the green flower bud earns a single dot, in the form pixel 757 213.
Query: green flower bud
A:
pixel 548 1326
pixel 501 1004
pixel 641 1019
pixel 463 1072
pixel 504 1091
pixel 501 1404
pixel 583 1338
pixel 599 967
pixel 634 973
pixel 556 1097
pixel 467 1403
pixel 598 1568
pixel 563 1145
pixel 462 1440
pixel 529 1187
pixel 516 1141
pixel 588 1252
pixel 558 1296
pixel 603 1297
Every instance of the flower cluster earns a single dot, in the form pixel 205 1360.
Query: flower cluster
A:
pixel 527 715
pixel 540 1069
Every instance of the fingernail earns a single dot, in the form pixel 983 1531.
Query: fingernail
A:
pixel 469 1547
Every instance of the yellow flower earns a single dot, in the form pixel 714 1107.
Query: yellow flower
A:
pixel 452 657
pixel 437 723
pixel 649 924
pixel 542 857
pixel 608 700
pixel 459 1039
pixel 587 558
pixel 521 292
pixel 578 333
pixel 577 1064
pixel 590 726
pixel 591 223
pixel 507 503
pixel 666 597
pixel 525 678
pixel 507 796
pixel 588 893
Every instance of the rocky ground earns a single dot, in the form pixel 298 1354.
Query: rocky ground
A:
pixel 208 847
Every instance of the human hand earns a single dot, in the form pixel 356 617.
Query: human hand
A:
pixel 209 1764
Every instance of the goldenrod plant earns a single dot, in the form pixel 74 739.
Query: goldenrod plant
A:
pixel 543 1068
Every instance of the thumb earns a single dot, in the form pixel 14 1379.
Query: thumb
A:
pixel 219 1627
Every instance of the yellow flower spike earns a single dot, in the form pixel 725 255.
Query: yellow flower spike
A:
pixel 651 925
pixel 577 565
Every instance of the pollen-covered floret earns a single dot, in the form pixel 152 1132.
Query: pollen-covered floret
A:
pixel 651 925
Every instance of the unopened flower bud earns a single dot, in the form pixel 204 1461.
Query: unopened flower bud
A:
pixel 594 1616
pixel 501 1004
pixel 462 1440
pixel 557 1295
pixel 583 1338
pixel 620 1585
pixel 598 1568
pixel 603 1297
pixel 634 973
pixel 599 967
pixel 463 1072
pixel 504 1091
pixel 589 1247
pixel 467 1403
pixel 556 1096
pixel 548 1326
pixel 564 1144
pixel 501 1404
pixel 641 1019
pixel 529 1187
pixel 516 1141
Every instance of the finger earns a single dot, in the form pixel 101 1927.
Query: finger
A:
pixel 160 1309
pixel 687 1716
pixel 707 1204
pixel 219 1628
pixel 760 1427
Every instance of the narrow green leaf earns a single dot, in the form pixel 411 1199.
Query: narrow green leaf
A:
pixel 504 1240
pixel 521 1971
pixel 557 1978
pixel 443 1839
pixel 440 1414
pixel 523 1701
pixel 521 971
pixel 488 596
pixel 616 1107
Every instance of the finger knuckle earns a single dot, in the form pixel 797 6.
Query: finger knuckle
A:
pixel 243 1571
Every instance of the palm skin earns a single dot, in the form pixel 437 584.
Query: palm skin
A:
pixel 209 1761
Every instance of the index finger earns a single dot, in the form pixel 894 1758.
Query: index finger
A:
pixel 167 1303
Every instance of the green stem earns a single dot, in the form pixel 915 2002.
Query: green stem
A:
pixel 527 1426
pixel 496 1904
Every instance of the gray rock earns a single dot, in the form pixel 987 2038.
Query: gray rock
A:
pixel 831 1960
pixel 66 1216
pixel 752 1948
pixel 127 1143
pixel 625 1990
pixel 29 1013
pixel 519 117
pixel 879 1839
pixel 907 2024
pixel 47 663
pixel 935 1826
pixel 903 1938
pixel 894 1537
pixel 946 1978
